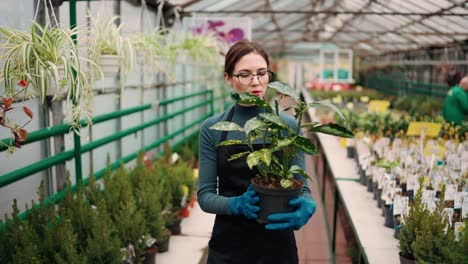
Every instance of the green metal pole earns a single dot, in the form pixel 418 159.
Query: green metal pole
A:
pixel 76 136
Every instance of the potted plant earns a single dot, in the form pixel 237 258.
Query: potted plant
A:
pixel 109 48
pixel 151 50
pixel 46 59
pixel 274 161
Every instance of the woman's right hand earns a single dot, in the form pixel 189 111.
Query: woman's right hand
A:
pixel 245 204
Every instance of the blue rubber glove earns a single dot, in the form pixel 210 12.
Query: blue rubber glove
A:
pixel 245 204
pixel 305 208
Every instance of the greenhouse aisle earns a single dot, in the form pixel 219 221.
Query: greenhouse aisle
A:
pixel 190 246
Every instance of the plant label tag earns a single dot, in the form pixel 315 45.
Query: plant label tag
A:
pixel 450 192
pixel 448 214
pixel 458 202
pixel 412 182
pixel 379 106
pixel 429 129
pixel 397 205
pixel 437 150
pixel 465 207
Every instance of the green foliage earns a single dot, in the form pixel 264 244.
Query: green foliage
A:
pixel 148 191
pixel 43 56
pixel 124 213
pixel 457 251
pixel 276 136
pixel 102 245
pixel 430 244
pixel 413 223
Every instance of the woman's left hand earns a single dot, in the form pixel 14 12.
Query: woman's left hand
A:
pixel 305 208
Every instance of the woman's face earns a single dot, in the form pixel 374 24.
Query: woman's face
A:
pixel 243 80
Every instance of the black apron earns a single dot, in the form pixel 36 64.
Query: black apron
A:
pixel 236 239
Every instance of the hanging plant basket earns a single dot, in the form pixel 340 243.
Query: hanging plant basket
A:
pixel 53 89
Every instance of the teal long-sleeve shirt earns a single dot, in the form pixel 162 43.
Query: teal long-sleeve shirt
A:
pixel 455 105
pixel 208 198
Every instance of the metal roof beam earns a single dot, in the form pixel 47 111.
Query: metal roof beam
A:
pixel 328 12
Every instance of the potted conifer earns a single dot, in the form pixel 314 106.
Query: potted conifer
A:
pixel 274 161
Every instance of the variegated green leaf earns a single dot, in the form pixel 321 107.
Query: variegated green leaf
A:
pixel 253 124
pixel 284 89
pixel 285 183
pixel 250 99
pixel 283 143
pixel 298 170
pixel 311 124
pixel 238 155
pixel 306 145
pixel 331 106
pixel 274 119
pixel 262 155
pixel 227 126
pixel 333 129
pixel 230 142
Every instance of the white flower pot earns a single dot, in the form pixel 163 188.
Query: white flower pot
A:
pixel 110 65
pixel 52 89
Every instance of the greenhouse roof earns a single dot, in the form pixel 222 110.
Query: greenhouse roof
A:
pixel 369 27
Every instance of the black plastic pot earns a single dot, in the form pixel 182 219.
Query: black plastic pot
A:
pixel 404 260
pixel 396 226
pixel 350 152
pixel 163 245
pixel 274 200
pixel 370 185
pixel 379 199
pixel 175 226
pixel 374 184
pixel 150 255
pixel 362 176
pixel 388 214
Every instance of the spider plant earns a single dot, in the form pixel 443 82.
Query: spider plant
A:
pixel 42 57
pixel 107 39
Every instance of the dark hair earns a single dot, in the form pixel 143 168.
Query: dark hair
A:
pixel 239 50
pixel 454 79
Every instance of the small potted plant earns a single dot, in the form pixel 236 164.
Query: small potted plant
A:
pixel 274 161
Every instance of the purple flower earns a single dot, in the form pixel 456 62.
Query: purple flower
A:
pixel 234 35
pixel 212 25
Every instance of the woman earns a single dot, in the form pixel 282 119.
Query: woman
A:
pixel 224 186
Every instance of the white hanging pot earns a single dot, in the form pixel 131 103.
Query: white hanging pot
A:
pixel 110 65
pixel 52 89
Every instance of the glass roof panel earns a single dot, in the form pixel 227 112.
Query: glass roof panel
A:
pixel 357 24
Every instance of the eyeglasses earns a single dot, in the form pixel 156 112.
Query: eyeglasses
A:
pixel 247 78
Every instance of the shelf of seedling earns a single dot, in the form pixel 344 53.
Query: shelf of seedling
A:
pixel 401 181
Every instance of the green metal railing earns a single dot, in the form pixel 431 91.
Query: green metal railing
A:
pixel 399 86
pixel 66 128
pixel 45 133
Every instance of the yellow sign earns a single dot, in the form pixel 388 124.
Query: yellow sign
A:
pixel 379 106
pixel 437 150
pixel 430 129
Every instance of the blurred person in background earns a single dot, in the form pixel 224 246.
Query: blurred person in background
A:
pixel 455 108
